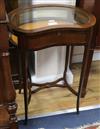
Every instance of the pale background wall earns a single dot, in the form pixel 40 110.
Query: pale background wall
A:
pixel 49 63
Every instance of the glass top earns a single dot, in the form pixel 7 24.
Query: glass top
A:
pixel 39 17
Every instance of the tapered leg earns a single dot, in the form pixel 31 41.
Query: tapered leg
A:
pixel 66 62
pixel 82 77
pixel 25 82
pixel 20 72
pixel 24 68
pixel 87 59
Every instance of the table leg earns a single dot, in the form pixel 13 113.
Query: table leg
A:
pixel 87 60
pixel 66 62
pixel 25 81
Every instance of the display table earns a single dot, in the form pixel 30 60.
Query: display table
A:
pixel 41 26
pixel 51 25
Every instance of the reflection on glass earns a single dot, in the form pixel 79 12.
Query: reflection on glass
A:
pixel 34 18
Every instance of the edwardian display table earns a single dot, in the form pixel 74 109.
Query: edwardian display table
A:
pixel 41 26
pixel 52 25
